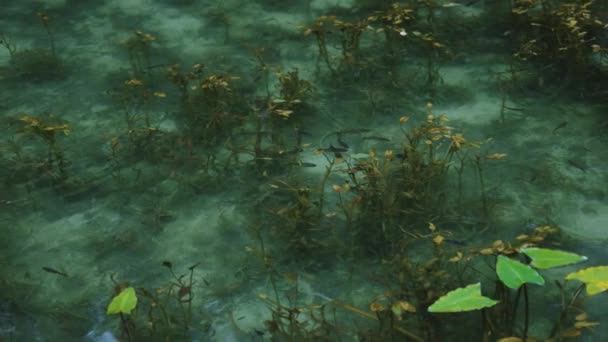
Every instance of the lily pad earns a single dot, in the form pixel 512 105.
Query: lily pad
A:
pixel 549 258
pixel 124 302
pixel 595 278
pixel 514 274
pixel 467 298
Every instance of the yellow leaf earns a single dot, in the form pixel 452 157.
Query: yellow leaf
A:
pixel 572 332
pixel 499 245
pixel 486 251
pixel 405 306
pixel 438 240
pixel 581 317
pixel 456 258
pixel 332 213
pixel 377 307
pixel 510 339
pixel 595 278
pixel 496 156
pixel 585 324
pixel 134 82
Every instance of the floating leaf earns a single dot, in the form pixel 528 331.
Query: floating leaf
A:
pixel 124 302
pixel 467 298
pixel 549 258
pixel 596 278
pixel 514 274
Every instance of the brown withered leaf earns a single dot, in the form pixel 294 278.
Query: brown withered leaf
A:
pixel 498 245
pixel 375 307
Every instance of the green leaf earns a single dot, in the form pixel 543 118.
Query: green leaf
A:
pixel 462 299
pixel 595 278
pixel 123 302
pixel 549 258
pixel 514 274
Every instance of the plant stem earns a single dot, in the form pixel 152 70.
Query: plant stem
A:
pixel 526 311
pixel 125 326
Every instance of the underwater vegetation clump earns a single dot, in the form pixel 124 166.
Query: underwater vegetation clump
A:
pixel 566 39
pixel 386 195
pixel 299 146
pixel 38 64
pixel 48 132
pixel 161 313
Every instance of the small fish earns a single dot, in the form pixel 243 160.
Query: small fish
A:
pixel 341 142
pixel 560 126
pixel 455 242
pixel 375 137
pixel 292 151
pixel 577 165
pixel 354 131
pixel 333 149
pixel 54 271
pixel 305 164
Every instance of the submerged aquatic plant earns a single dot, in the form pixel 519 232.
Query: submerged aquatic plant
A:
pixel 38 64
pixel 517 264
pixel 138 49
pixel 48 132
pixel 563 37
pixel 164 313
pixel 402 188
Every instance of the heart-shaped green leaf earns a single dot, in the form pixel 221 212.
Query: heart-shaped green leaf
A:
pixel 549 258
pixel 514 274
pixel 123 302
pixel 595 278
pixel 462 299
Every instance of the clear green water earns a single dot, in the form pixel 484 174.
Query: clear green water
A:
pixel 235 181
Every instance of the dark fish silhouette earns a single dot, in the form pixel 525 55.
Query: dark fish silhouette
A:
pixel 54 271
pixel 561 125
pixel 375 137
pixel 333 149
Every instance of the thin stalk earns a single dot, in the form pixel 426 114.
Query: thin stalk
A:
pixel 268 266
pixel 482 186
pixel 526 311
pixel 125 326
pixel 324 183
